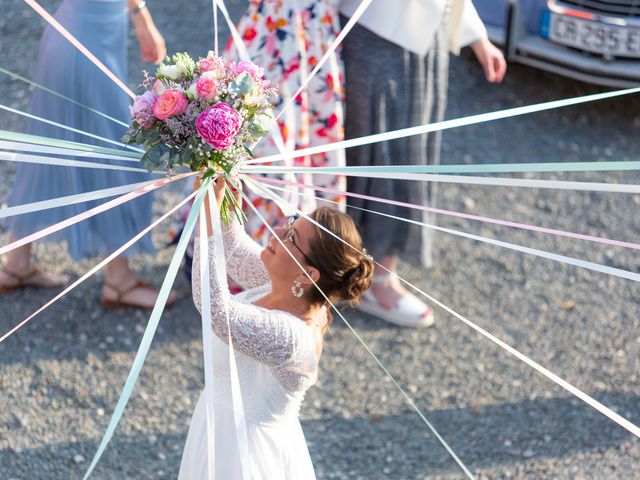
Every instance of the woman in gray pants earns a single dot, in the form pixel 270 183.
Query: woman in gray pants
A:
pixel 396 67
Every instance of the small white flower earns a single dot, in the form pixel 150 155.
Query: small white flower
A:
pixel 192 92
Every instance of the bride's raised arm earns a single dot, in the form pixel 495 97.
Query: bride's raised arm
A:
pixel 242 254
pixel 265 335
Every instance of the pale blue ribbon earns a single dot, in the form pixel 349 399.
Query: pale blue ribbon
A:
pixel 70 199
pixel 150 331
pixel 53 92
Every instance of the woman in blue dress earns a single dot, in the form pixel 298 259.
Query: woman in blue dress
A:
pixel 101 26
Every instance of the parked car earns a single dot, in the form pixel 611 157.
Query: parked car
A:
pixel 596 41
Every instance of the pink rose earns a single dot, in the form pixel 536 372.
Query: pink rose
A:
pixel 251 68
pixel 206 88
pixel 207 64
pixel 170 104
pixel 215 65
pixel 142 109
pixel 218 125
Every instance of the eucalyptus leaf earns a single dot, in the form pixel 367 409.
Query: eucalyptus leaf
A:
pixel 165 158
pixel 249 151
pixel 242 84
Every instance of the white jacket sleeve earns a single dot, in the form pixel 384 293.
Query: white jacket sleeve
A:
pixel 465 26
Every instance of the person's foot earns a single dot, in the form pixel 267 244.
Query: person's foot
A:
pixel 16 280
pixel 388 300
pixel 138 294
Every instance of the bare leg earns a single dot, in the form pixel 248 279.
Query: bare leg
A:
pixel 18 271
pixel 121 286
pixel 388 291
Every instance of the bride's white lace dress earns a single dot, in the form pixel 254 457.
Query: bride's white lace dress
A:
pixel 276 360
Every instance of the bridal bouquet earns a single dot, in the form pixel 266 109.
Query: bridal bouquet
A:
pixel 201 115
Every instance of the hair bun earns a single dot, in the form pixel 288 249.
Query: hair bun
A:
pixel 337 250
pixel 357 280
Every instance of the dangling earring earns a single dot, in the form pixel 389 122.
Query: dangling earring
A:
pixel 296 289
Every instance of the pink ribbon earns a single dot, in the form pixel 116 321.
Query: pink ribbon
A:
pixel 74 41
pixel 506 223
pixel 90 213
pixel 95 269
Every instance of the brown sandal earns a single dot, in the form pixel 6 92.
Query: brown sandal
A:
pixel 119 303
pixel 23 281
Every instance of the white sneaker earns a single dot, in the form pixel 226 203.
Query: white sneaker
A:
pixel 409 311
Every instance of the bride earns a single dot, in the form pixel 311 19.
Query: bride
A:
pixel 277 325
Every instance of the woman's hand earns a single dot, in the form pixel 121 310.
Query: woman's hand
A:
pixel 491 59
pixel 152 47
pixel 219 184
pixel 218 187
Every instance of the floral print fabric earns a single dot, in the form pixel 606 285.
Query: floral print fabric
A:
pixel 288 38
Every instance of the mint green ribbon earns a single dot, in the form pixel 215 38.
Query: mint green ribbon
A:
pixel 150 331
pixel 54 142
pixel 485 168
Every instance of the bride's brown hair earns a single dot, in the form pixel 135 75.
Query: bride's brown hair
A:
pixel 345 273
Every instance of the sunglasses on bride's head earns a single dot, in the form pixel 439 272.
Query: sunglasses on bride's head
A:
pixel 288 236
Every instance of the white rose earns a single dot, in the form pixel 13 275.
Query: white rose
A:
pixel 169 71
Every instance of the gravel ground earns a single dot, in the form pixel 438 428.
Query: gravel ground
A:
pixel 62 374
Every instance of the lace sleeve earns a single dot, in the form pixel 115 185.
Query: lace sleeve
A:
pixel 243 257
pixel 269 336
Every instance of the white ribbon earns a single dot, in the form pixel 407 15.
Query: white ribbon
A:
pixel 119 251
pixel 491 181
pixel 447 124
pixel 70 200
pixel 409 400
pixel 215 26
pixel 63 162
pixel 330 51
pixel 59 95
pixel 292 192
pixel 616 272
pixel 74 41
pixel 606 411
pixel 240 421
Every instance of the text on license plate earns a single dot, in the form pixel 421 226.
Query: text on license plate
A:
pixel 592 36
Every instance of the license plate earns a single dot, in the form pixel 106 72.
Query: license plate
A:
pixel 591 36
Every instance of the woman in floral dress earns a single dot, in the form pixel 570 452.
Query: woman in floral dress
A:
pixel 288 38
